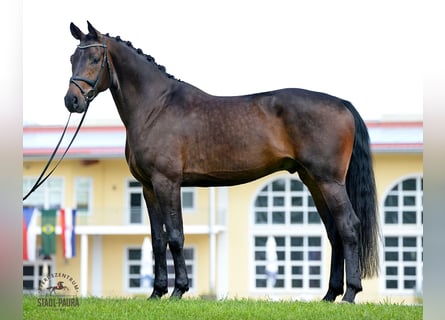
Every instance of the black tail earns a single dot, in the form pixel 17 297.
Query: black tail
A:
pixel 360 185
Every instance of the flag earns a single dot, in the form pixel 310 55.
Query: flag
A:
pixel 68 225
pixel 29 233
pixel 49 231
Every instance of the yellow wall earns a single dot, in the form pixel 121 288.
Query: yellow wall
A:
pixel 108 187
pixel 110 177
pixel 113 261
pixel 200 216
pixel 389 169
pixel 240 202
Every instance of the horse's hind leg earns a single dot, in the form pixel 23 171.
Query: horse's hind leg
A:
pixel 347 223
pixel 336 278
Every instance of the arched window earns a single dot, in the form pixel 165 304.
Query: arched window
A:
pixel 402 230
pixel 284 210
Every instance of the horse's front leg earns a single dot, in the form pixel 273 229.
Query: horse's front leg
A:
pixel 169 195
pixel 159 243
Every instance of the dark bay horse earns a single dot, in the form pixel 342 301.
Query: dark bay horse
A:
pixel 178 135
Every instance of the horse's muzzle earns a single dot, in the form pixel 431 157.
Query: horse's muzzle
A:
pixel 75 103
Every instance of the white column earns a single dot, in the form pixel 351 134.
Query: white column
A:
pixel 212 240
pixel 83 265
pixel 222 281
pixel 96 266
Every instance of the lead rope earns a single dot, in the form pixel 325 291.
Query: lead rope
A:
pixel 42 179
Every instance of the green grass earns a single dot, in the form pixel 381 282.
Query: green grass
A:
pixel 137 308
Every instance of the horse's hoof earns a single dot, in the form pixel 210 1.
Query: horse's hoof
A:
pixel 331 295
pixel 177 293
pixel 349 296
pixel 157 294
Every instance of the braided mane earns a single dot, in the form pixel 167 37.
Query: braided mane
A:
pixel 148 57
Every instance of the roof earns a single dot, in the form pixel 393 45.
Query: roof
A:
pixel 396 137
pixel 98 142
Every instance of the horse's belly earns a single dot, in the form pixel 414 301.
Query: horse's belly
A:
pixel 235 176
pixel 218 179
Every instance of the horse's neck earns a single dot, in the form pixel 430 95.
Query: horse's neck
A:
pixel 137 85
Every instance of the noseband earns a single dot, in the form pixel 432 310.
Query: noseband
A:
pixel 92 93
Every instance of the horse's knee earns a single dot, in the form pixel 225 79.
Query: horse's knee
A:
pixel 175 241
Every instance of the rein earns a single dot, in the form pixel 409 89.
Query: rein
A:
pixel 89 96
pixel 42 179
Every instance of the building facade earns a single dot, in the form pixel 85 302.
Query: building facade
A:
pixel 226 228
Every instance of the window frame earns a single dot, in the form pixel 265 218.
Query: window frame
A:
pixel 193 191
pixel 304 229
pixel 47 189
pixel 401 231
pixel 128 191
pixel 138 290
pixel 144 211
pixel 37 265
pixel 90 195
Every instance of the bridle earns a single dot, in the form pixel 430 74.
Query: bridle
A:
pixel 89 96
pixel 92 93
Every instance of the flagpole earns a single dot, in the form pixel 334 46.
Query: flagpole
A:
pixel 45 271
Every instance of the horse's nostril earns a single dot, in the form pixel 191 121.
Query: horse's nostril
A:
pixel 71 102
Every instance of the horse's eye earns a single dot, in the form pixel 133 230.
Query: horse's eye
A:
pixel 95 60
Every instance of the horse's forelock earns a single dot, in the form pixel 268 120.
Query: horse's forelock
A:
pixel 90 36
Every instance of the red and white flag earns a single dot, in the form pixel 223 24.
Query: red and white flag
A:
pixel 68 225
pixel 29 233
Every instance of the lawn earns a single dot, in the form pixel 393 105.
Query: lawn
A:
pixel 138 308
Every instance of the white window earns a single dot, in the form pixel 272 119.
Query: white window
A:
pixel 48 196
pixel 33 273
pixel 133 281
pixel 402 230
pixel 188 199
pixel 136 203
pixel 284 209
pixel 83 195
pixel 299 262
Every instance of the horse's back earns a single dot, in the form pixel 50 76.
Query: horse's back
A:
pixel 237 138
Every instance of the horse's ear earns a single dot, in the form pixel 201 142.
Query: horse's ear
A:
pixel 93 31
pixel 75 31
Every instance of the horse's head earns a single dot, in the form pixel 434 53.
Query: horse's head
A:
pixel 90 68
